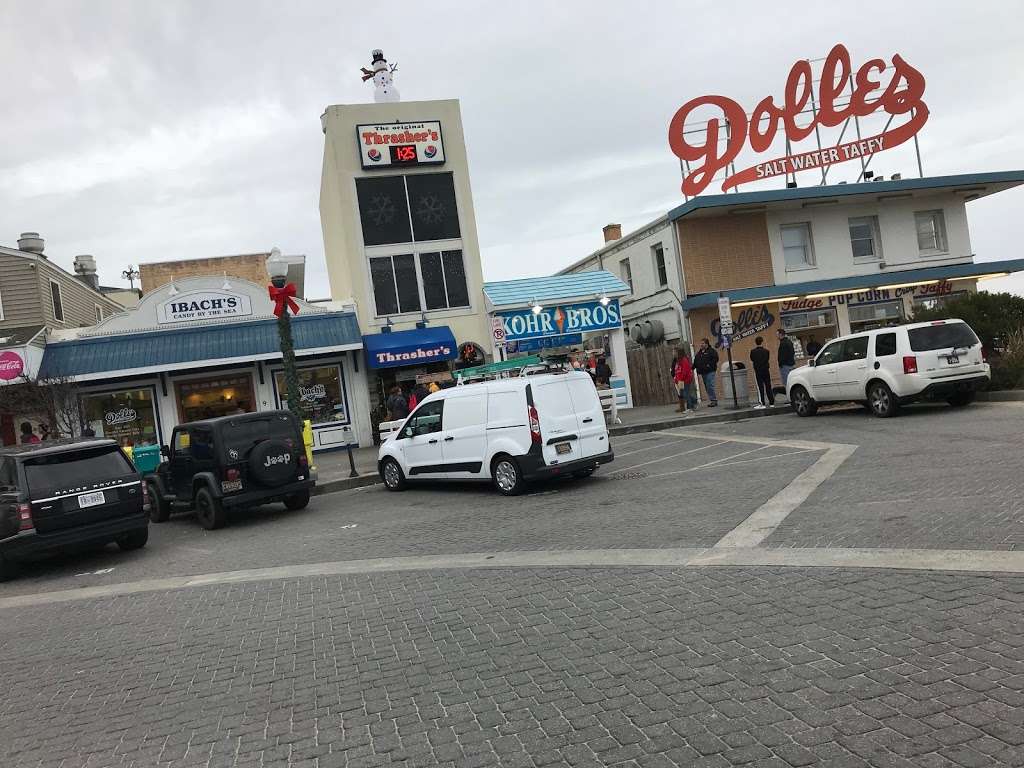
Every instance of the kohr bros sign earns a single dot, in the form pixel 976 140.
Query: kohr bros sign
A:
pixel 560 320
pixel 841 94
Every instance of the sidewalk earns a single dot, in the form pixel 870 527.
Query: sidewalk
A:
pixel 333 469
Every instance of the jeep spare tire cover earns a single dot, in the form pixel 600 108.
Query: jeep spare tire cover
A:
pixel 273 462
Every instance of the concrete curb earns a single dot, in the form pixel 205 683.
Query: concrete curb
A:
pixel 346 484
pixel 1002 396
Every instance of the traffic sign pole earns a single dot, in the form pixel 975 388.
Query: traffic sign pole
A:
pixel 725 329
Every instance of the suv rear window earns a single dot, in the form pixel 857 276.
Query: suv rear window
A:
pixel 75 468
pixel 945 336
pixel 242 435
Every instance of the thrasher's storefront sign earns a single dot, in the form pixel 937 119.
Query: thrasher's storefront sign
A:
pixel 203 305
pixel 400 144
pixel 841 94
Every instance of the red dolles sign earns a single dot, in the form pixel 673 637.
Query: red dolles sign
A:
pixel 902 95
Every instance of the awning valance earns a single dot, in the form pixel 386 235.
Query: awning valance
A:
pixel 414 347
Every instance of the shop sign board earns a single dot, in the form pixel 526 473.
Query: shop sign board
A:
pixel 546 342
pixel 841 94
pixel 562 319
pixel 122 416
pixel 387 145
pixel 751 321
pixel 11 365
pixel 203 305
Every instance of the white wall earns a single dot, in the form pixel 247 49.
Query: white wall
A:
pixel 830 236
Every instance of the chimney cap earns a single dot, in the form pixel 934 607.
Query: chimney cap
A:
pixel 611 232
pixel 31 242
pixel 85 264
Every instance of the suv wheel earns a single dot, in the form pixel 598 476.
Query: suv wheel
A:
pixel 882 400
pixel 802 402
pixel 134 540
pixel 507 477
pixel 159 507
pixel 960 399
pixel 209 511
pixel 392 475
pixel 297 501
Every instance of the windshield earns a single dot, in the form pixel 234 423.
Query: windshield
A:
pixel 76 468
pixel 242 435
pixel 945 336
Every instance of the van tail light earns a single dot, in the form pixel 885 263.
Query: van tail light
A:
pixel 25 518
pixel 232 474
pixel 909 364
pixel 534 424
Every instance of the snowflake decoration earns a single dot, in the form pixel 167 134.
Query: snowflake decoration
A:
pixel 430 209
pixel 381 210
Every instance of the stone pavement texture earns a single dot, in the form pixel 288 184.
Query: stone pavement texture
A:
pixel 624 667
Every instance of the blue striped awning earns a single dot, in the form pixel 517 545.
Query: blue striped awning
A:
pixel 95 357
pixel 580 286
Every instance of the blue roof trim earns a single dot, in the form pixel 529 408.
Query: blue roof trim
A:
pixel 417 346
pixel 894 277
pixel 740 199
pixel 574 285
pixel 181 346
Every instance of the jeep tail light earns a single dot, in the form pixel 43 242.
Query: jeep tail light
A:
pixel 909 364
pixel 303 461
pixel 232 474
pixel 25 518
pixel 534 424
pixel 145 497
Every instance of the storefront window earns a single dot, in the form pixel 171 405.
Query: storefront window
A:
pixel 128 416
pixel 321 394
pixel 797 321
pixel 864 317
pixel 212 398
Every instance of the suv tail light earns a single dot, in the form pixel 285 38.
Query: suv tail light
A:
pixel 145 496
pixel 232 474
pixel 303 461
pixel 909 364
pixel 984 354
pixel 25 518
pixel 534 424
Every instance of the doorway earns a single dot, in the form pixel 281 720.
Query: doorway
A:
pixel 211 398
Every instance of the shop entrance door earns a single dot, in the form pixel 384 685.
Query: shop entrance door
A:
pixel 211 398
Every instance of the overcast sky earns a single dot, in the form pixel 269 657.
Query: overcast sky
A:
pixel 145 131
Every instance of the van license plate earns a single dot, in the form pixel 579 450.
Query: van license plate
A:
pixel 562 448
pixel 953 360
pixel 91 499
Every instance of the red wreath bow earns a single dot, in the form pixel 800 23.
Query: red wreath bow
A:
pixel 284 297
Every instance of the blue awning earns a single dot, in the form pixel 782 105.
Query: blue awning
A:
pixel 137 353
pixel 415 347
pixel 856 283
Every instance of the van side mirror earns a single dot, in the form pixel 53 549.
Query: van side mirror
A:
pixel 811 362
pixel 165 451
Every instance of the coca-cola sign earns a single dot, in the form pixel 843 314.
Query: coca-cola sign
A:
pixel 841 95
pixel 11 366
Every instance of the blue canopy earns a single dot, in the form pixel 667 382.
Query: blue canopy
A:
pixel 415 347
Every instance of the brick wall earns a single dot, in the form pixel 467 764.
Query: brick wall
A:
pixel 725 252
pixel 249 266
pixel 703 320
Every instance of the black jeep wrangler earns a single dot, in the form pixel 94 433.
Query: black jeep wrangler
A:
pixel 61 493
pixel 233 462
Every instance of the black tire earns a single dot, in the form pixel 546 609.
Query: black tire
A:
pixel 581 474
pixel 135 540
pixel 883 402
pixel 159 507
pixel 209 511
pixel 392 475
pixel 7 569
pixel 507 476
pixel 801 402
pixel 297 501
pixel 960 399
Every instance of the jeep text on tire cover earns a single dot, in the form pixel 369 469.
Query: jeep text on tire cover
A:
pixel 284 458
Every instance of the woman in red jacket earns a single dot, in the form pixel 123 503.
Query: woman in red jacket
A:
pixel 682 377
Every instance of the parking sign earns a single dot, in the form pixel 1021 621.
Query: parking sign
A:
pixel 498 331
pixel 725 315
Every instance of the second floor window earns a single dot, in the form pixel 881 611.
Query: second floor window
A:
pixel 405 209
pixel 416 282
pixel 796 246
pixel 864 237
pixel 58 304
pixel 659 265
pixel 931 232
pixel 626 273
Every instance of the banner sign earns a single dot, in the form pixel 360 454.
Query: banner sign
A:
pixel 546 342
pixel 841 95
pixel 560 320
pixel 400 144
pixel 203 305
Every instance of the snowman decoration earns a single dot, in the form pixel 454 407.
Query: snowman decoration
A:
pixel 383 78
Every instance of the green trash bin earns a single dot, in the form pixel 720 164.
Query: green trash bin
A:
pixel 146 458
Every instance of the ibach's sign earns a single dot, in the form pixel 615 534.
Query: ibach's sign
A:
pixel 841 95
pixel 399 144
pixel 203 305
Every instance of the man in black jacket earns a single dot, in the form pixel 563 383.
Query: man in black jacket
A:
pixel 760 357
pixel 787 357
pixel 705 364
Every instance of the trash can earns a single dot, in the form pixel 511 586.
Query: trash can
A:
pixel 739 373
pixel 146 458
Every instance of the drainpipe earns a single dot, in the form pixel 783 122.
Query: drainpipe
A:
pixel 678 261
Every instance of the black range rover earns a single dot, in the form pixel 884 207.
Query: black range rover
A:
pixel 68 492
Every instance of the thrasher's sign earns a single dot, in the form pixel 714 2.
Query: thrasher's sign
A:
pixel 841 94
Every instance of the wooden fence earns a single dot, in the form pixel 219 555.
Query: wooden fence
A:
pixel 649 375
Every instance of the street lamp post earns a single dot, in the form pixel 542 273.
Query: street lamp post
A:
pixel 282 293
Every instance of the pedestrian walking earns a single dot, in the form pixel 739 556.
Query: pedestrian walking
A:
pixel 683 379
pixel 397 405
pixel 787 356
pixel 706 363
pixel 760 358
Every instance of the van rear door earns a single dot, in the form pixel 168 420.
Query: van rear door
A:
pixel 945 349
pixel 587 404
pixel 559 427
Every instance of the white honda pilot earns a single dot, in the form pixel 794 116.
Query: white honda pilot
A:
pixel 889 367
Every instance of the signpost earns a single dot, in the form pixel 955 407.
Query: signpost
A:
pixel 498 334
pixel 725 321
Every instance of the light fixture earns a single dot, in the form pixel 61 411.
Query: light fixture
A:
pixel 992 275
pixel 536 307
pixel 605 301
pixel 226 286
pixel 894 286
pixel 765 301
pixel 173 290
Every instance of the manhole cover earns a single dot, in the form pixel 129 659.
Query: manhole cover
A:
pixel 628 476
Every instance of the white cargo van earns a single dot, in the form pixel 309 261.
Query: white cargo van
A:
pixel 509 431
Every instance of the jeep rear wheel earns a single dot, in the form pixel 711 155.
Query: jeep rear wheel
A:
pixel 159 507
pixel 134 540
pixel 209 511
pixel 297 501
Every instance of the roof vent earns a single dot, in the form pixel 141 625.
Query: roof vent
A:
pixel 85 270
pixel 31 242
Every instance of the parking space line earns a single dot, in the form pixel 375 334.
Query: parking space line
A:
pixel 648 447
pixel 673 456
pixel 731 463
